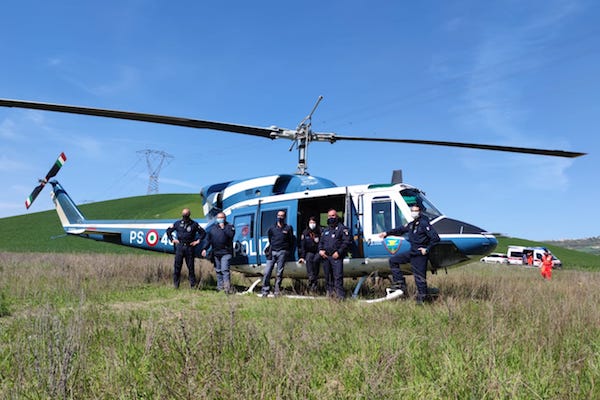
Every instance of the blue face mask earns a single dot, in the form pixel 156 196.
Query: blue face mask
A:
pixel 331 221
pixel 220 220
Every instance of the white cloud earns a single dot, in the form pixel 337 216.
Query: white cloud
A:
pixel 8 209
pixel 493 99
pixel 127 77
pixel 8 165
pixel 117 80
pixel 7 129
pixel 176 182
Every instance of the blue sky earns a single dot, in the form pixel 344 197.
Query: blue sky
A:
pixel 503 72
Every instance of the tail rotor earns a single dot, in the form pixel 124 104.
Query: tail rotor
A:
pixel 53 171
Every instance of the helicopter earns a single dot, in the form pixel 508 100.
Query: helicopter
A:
pixel 251 204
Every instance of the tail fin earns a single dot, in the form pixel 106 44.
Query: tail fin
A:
pixel 67 211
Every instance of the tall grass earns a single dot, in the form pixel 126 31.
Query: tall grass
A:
pixel 104 327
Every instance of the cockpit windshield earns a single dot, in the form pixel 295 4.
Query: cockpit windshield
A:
pixel 414 196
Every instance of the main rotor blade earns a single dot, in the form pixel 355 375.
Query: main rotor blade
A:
pixel 510 149
pixel 270 133
pixel 134 116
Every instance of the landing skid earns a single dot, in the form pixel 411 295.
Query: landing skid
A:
pixel 251 288
pixel 391 294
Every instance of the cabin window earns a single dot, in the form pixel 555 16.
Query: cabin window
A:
pixel 381 210
pixel 382 218
pixel 268 219
pixel 244 227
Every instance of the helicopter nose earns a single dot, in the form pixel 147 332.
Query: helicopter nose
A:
pixel 473 240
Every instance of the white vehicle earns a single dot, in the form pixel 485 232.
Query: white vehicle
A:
pixel 519 255
pixel 495 258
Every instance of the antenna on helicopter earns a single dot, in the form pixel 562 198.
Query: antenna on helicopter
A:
pixel 302 138
pixel 155 160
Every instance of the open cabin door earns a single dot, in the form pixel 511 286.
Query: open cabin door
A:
pixel 343 204
pixel 353 220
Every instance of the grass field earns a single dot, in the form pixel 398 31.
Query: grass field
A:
pixel 108 326
pixel 82 319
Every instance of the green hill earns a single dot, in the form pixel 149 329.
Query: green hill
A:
pixel 42 231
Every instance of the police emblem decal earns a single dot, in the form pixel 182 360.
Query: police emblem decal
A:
pixel 392 245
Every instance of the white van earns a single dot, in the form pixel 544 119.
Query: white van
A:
pixel 518 255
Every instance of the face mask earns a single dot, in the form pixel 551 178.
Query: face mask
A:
pixel 331 221
pixel 415 214
pixel 281 220
pixel 185 216
pixel 312 226
pixel 220 220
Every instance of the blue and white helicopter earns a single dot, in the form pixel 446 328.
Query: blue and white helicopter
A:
pixel 251 204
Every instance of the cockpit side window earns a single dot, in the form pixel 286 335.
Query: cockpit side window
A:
pixel 414 196
pixel 400 219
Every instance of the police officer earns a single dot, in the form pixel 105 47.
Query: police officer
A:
pixel 189 234
pixel 422 237
pixel 309 252
pixel 333 246
pixel 281 241
pixel 220 240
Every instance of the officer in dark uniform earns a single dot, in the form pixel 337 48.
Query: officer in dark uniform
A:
pixel 422 237
pixel 220 240
pixel 281 241
pixel 309 252
pixel 189 234
pixel 335 240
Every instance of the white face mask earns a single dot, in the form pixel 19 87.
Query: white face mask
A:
pixel 312 225
pixel 414 214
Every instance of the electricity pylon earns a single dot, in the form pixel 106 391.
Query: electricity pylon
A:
pixel 155 160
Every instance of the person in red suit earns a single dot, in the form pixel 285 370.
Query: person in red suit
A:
pixel 546 267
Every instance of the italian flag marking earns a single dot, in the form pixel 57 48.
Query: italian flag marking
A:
pixel 61 159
